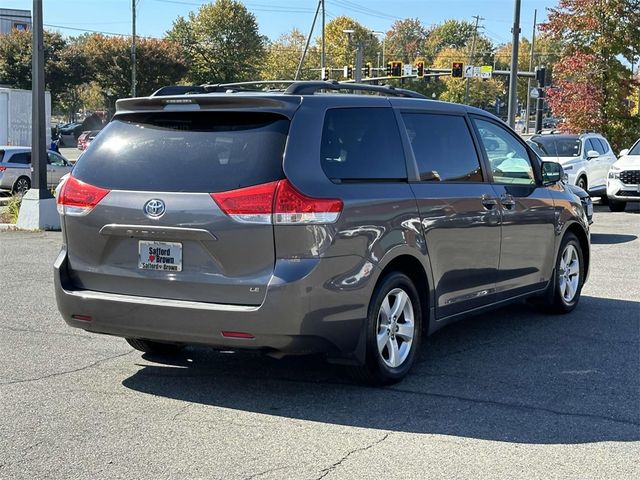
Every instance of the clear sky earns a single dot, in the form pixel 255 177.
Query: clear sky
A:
pixel 279 16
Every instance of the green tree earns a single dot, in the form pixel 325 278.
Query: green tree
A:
pixel 602 32
pixel 15 62
pixel 283 56
pixel 221 42
pixel 452 33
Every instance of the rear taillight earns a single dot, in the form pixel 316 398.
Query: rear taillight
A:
pixel 78 198
pixel 292 207
pixel 278 203
pixel 2 169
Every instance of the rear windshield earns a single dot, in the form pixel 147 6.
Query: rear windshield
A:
pixel 550 146
pixel 186 152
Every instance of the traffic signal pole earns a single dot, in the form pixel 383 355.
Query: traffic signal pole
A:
pixel 513 78
pixel 358 72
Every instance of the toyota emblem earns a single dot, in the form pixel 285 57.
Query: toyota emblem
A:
pixel 154 208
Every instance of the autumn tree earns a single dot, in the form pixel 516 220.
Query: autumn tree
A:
pixel 341 48
pixel 221 42
pixel 406 40
pixel 456 34
pixel 159 63
pixel 283 56
pixel 597 35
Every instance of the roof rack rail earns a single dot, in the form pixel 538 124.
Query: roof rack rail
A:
pixel 311 87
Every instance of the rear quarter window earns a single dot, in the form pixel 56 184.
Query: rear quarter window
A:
pixel 186 151
pixel 362 144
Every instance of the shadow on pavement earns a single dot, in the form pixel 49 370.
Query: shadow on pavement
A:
pixel 511 375
pixel 611 238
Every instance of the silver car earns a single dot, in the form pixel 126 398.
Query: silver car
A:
pixel 15 169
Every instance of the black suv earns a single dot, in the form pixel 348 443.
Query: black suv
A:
pixel 308 220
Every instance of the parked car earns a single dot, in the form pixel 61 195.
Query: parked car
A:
pixel 69 134
pixel 15 169
pixel 293 222
pixel 585 158
pixel 623 183
pixel 86 138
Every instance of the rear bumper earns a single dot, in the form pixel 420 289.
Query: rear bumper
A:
pixel 299 316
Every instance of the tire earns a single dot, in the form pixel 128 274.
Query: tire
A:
pixel 21 186
pixel 616 206
pixel 604 200
pixel 391 362
pixel 149 346
pixel 567 285
pixel 582 183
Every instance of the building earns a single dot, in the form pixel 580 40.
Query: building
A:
pixel 11 18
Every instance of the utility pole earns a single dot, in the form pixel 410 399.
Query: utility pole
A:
pixel 533 46
pixel 133 48
pixel 306 47
pixel 38 208
pixel 358 73
pixel 322 57
pixel 513 77
pixel 471 56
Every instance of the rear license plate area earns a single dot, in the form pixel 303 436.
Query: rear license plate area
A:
pixel 160 256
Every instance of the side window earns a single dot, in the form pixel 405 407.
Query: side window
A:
pixel 362 144
pixel 594 144
pixel 508 158
pixel 443 147
pixel 22 158
pixel 55 159
pixel 605 145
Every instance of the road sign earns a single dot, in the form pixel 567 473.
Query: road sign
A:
pixel 407 69
pixel 468 71
pixel 486 71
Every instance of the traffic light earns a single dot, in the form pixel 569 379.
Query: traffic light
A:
pixel 348 71
pixel 325 73
pixel 540 76
pixel 420 69
pixel 427 76
pixel 456 69
pixel 388 72
pixel 396 69
pixel 367 70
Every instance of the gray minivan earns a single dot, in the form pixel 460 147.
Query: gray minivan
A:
pixel 309 220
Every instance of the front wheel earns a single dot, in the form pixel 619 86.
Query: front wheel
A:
pixel 582 183
pixel 616 206
pixel 569 273
pixel 394 324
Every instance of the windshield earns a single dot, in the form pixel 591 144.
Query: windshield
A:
pixel 550 146
pixel 635 150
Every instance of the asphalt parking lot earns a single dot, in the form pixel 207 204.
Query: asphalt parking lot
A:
pixel 509 394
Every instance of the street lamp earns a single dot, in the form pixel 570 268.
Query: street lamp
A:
pixel 384 36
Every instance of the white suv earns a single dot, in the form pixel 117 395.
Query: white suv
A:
pixel 623 184
pixel 585 158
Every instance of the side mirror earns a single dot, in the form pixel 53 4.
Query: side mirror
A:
pixel 552 173
pixel 592 154
pixel 623 152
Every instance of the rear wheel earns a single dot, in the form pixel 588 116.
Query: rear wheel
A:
pixel 149 346
pixel 569 276
pixel 394 324
pixel 616 206
pixel 21 186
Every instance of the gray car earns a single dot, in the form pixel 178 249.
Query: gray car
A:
pixel 15 169
pixel 309 220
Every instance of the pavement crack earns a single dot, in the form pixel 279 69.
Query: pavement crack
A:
pixel 259 474
pixel 67 372
pixel 326 471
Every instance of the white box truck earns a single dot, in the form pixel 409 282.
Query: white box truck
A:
pixel 15 117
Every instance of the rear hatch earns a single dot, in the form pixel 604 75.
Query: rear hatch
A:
pixel 144 222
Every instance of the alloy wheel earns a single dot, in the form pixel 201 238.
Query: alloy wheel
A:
pixel 395 328
pixel 569 273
